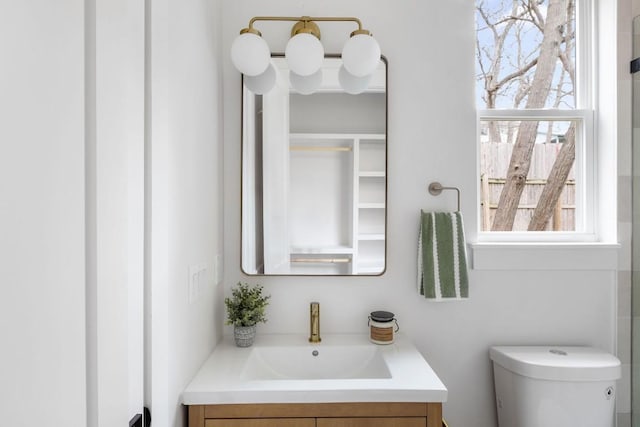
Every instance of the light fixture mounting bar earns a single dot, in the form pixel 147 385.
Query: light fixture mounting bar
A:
pixel 306 23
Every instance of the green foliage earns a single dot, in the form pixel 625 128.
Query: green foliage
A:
pixel 247 305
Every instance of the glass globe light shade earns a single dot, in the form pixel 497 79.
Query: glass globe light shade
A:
pixel 262 83
pixel 361 55
pixel 306 85
pixel 250 54
pixel 351 84
pixel 304 53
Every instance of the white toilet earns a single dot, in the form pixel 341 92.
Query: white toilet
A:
pixel 547 386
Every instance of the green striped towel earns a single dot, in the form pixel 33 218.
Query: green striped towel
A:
pixel 442 257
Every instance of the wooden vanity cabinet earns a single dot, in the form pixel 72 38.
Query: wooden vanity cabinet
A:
pixel 317 415
pixel 270 422
pixel 371 422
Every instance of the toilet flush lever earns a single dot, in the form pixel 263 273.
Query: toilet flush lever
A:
pixel 609 393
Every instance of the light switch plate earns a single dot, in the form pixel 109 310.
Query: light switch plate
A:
pixel 197 282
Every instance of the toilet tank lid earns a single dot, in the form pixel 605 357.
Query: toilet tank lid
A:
pixel 562 363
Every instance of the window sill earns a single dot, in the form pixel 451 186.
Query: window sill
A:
pixel 544 256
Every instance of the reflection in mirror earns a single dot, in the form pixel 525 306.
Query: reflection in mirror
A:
pixel 314 177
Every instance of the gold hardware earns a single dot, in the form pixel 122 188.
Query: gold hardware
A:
pixel 314 322
pixel 250 31
pixel 317 148
pixel 305 24
pixel 365 32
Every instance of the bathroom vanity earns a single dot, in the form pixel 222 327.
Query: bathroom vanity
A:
pixel 344 381
pixel 390 414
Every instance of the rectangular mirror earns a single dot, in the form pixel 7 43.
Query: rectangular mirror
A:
pixel 314 177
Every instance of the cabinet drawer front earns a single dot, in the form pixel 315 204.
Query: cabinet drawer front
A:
pixel 270 422
pixel 372 422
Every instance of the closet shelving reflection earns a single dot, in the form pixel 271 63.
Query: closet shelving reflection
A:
pixel 349 184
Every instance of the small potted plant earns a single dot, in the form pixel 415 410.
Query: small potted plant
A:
pixel 245 309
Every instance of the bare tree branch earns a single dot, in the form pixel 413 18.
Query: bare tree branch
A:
pixel 517 73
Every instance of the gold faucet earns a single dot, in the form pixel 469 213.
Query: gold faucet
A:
pixel 314 322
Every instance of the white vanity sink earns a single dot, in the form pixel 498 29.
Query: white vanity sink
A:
pixel 289 369
pixel 316 362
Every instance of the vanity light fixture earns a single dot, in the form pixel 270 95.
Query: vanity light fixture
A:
pixel 304 53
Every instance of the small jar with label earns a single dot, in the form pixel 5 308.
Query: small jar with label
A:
pixel 383 325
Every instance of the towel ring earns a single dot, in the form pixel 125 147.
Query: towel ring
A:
pixel 435 189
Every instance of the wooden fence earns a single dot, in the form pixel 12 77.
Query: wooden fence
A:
pixel 494 162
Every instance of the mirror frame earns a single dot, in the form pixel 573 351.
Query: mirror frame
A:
pixel 386 180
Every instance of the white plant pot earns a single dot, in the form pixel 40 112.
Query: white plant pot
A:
pixel 244 335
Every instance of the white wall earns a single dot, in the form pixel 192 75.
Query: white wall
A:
pixel 72 161
pixel 430 48
pixel 114 168
pixel 73 126
pixel 185 172
pixel 42 231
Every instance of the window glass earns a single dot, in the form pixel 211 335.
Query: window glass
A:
pixel 551 149
pixel 532 137
pixel 525 54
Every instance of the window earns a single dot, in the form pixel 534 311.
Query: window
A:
pixel 535 120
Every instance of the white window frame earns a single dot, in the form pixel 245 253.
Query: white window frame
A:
pixel 585 162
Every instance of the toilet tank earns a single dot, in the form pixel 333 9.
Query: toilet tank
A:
pixel 547 386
